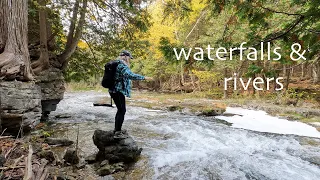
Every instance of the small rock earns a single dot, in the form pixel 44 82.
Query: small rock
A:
pixel 105 170
pixel 81 164
pixel 45 146
pixel 71 156
pixel 118 166
pixel 38 132
pixel 108 177
pixel 105 162
pixel 212 112
pixel 57 161
pixel 174 108
pixel 314 160
pixel 2 160
pixel 65 177
pixel 48 155
pixel 91 159
pixel 57 141
pixel 63 116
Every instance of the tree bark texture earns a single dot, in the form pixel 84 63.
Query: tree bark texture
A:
pixel 316 71
pixel 15 61
pixel 43 62
pixel 3 25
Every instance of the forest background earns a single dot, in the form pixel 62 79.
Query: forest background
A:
pixel 197 23
pixel 80 36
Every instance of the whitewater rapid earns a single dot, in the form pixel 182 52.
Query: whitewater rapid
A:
pixel 178 146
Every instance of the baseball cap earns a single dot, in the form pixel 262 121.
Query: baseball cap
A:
pixel 126 53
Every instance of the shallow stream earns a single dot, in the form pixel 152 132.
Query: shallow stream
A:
pixel 179 146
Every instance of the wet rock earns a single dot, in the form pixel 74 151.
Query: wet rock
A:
pixel 58 141
pixel 108 177
pixel 63 116
pixel 65 177
pixel 110 169
pixel 314 160
pixel 212 112
pixel 71 156
pixel 215 109
pixel 115 150
pixel 2 160
pixel 48 155
pixel 105 162
pixel 174 108
pixel 103 139
pixel 20 102
pixel 105 170
pixel 91 159
pixel 82 164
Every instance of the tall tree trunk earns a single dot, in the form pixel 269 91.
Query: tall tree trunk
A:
pixel 0 114
pixel 74 33
pixel 302 70
pixel 193 80
pixel 316 71
pixel 182 73
pixel 43 61
pixel 3 25
pixel 225 92
pixel 286 86
pixel 284 69
pixel 14 61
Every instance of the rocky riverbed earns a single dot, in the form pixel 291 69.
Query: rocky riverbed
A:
pixel 184 146
pixel 178 144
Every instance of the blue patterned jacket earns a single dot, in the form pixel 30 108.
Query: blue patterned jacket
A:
pixel 123 79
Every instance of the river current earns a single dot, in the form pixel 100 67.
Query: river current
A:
pixel 181 146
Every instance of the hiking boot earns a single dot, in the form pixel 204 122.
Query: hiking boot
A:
pixel 124 131
pixel 120 135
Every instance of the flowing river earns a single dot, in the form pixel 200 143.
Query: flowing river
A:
pixel 181 146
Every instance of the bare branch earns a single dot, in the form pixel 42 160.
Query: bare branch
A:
pixel 195 25
pixel 279 12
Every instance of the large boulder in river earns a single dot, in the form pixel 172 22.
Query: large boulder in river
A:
pixel 115 150
pixel 20 104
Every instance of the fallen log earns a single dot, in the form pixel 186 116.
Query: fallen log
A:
pixel 42 169
pixel 6 137
pixel 13 167
pixel 28 172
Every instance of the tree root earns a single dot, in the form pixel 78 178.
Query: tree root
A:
pixel 13 67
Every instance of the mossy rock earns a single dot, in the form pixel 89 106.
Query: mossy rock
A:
pixel 174 108
pixel 215 110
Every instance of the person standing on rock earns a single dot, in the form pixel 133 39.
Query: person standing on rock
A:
pixel 122 88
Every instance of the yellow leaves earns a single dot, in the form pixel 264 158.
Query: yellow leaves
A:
pixel 206 76
pixel 82 44
pixel 93 18
pixel 159 29
pixel 197 6
pixel 63 39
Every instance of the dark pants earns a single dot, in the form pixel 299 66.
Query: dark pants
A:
pixel 120 101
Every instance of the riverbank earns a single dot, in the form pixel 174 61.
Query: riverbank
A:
pixel 175 144
pixel 179 145
pixel 306 112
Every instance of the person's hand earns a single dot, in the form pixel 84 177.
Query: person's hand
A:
pixel 148 78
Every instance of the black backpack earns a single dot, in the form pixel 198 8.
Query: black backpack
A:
pixel 108 80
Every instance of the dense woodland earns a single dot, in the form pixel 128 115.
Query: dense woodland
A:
pixel 80 36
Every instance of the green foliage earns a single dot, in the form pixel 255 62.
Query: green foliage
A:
pixel 253 70
pixel 125 28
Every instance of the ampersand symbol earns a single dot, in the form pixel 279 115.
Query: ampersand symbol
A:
pixel 294 51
